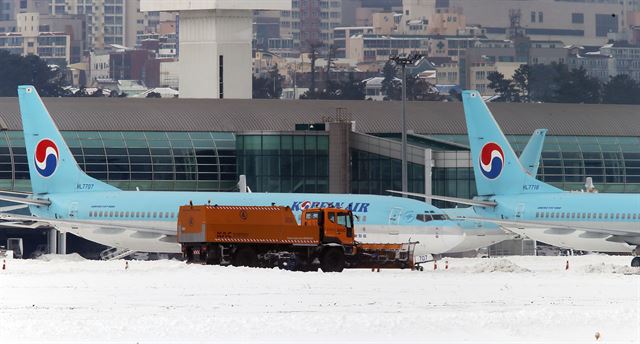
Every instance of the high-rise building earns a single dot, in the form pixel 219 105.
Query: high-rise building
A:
pixel 105 19
pixel 53 47
pixel 311 22
pixel 10 8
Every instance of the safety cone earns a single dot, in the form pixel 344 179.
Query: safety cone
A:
pixel 566 267
pixel 378 269
pixel 4 264
pixel 435 265
pixel 126 265
pixel 446 265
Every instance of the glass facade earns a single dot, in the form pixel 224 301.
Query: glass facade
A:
pixel 296 162
pixel 374 174
pixel 299 162
pixel 197 161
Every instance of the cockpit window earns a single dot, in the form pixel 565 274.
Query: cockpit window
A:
pixel 431 217
pixel 424 217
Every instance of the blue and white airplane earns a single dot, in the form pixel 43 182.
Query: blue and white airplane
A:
pixel 511 197
pixel 479 234
pixel 70 200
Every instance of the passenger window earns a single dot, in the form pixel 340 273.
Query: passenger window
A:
pixel 166 214
pixel 149 214
pixel 126 214
pixel 160 215
pixel 173 214
pixel 155 214
pixel 110 214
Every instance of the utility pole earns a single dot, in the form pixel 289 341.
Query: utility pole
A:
pixel 403 61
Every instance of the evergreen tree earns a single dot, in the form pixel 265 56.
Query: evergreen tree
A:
pixel 16 70
pixel 542 81
pixel 621 89
pixel 576 86
pixel 391 88
pixel 268 87
pixel 521 80
pixel 504 87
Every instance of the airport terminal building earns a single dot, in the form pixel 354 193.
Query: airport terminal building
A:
pixel 319 146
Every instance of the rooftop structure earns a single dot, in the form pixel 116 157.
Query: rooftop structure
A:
pixel 212 33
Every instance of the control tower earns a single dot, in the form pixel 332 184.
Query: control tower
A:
pixel 215 44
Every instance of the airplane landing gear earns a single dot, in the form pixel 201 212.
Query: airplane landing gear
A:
pixel 635 262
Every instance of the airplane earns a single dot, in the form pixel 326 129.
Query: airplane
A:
pixel 480 234
pixel 511 197
pixel 146 235
pixel 68 199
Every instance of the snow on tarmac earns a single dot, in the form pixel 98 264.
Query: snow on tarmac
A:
pixel 496 300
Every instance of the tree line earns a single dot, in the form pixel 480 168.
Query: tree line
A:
pixel 553 83
pixel 556 83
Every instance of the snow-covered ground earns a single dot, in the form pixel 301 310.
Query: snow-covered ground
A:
pixel 497 300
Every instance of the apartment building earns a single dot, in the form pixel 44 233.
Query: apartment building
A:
pixel 610 60
pixel 53 47
pixel 311 22
pixel 584 22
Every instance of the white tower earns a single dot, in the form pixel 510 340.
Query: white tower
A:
pixel 215 44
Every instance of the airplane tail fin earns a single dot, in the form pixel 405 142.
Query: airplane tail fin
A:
pixel 530 157
pixel 496 167
pixel 52 167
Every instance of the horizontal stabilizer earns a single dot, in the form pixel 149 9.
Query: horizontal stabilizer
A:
pixel 546 225
pixel 23 200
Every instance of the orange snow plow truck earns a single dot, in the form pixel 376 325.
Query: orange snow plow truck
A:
pixel 271 237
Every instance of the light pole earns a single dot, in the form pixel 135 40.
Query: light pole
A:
pixel 403 61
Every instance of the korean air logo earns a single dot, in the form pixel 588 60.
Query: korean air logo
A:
pixel 491 160
pixel 47 157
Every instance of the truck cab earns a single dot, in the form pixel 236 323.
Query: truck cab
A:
pixel 336 225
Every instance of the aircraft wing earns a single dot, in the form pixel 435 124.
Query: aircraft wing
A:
pixel 14 218
pixel 477 203
pixel 535 224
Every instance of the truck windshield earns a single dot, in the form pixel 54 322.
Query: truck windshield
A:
pixel 345 220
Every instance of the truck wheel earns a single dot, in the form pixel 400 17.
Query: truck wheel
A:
pixel 189 255
pixel 635 262
pixel 245 256
pixel 332 260
pixel 212 256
